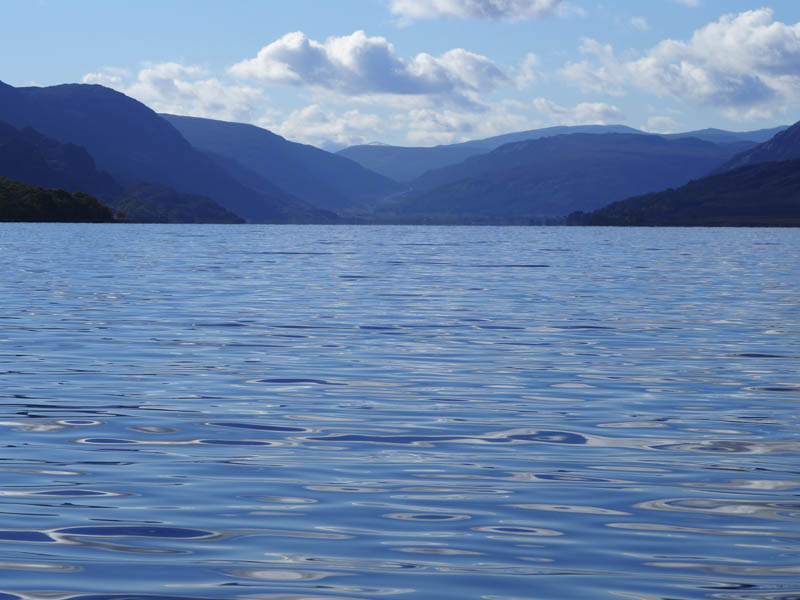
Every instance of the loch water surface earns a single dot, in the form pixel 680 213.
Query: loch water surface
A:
pixel 421 413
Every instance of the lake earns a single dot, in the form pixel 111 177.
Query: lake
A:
pixel 421 413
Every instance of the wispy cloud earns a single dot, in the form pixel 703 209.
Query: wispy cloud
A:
pixel 584 113
pixel 512 10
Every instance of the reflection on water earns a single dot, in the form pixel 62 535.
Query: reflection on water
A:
pixel 295 413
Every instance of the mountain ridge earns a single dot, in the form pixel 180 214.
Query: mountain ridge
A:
pixel 129 140
pixel 317 177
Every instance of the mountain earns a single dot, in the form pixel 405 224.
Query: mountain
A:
pixel 402 163
pixel 407 163
pixel 765 194
pixel 496 141
pixel 548 177
pixel 783 146
pixel 30 157
pixel 132 142
pixel 720 136
pixel 318 177
pixel 28 203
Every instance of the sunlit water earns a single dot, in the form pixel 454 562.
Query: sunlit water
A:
pixel 294 413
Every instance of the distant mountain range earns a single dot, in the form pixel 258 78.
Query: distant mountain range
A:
pixel 745 191
pixel 406 164
pixel 170 168
pixel 539 179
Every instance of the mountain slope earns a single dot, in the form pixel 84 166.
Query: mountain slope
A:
pixel 32 158
pixel 721 136
pixel 133 143
pixel 407 163
pixel 318 177
pixel 758 195
pixel 783 146
pixel 554 176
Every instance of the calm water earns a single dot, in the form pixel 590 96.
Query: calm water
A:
pixel 297 413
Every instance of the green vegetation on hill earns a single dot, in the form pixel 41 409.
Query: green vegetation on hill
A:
pixel 28 203
pixel 150 203
pixel 766 194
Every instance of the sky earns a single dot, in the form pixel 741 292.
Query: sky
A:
pixel 335 73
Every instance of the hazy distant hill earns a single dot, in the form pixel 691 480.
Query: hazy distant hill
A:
pixel 318 177
pixel 757 195
pixel 28 203
pixel 720 136
pixel 557 175
pixel 32 158
pixel 407 163
pixel 783 146
pixel 133 143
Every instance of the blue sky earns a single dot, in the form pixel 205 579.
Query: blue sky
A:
pixel 422 72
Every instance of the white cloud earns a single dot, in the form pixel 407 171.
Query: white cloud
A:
pixel 692 3
pixel 324 128
pixel 640 23
pixel 357 65
pixel 513 10
pixel 185 90
pixel 585 113
pixel 526 74
pixel 604 73
pixel 747 65
pixel 429 127
pixel 660 125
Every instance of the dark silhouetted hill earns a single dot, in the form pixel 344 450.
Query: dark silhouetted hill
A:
pixel 766 194
pixel 21 202
pixel 318 177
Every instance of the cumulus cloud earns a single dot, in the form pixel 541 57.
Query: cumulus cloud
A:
pixel 747 65
pixel 325 128
pixel 358 65
pixel 512 10
pixel 585 113
pixel 187 90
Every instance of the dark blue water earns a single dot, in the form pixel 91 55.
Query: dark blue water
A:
pixel 297 413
